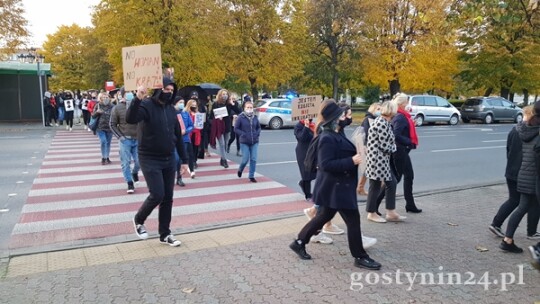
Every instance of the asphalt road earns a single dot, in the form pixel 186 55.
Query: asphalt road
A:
pixel 447 157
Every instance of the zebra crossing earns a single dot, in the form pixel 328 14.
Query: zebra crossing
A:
pixel 75 200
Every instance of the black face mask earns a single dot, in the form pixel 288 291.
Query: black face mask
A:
pixel 346 122
pixel 165 97
pixel 193 109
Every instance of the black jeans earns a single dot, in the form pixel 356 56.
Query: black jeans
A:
pixel 352 220
pixel 233 138
pixel 376 194
pixel 159 176
pixel 527 203
pixel 403 166
pixel 509 206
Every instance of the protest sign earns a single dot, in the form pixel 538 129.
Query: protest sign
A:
pixel 305 107
pixel 199 121
pixel 142 66
pixel 220 112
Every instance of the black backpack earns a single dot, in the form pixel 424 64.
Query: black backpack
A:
pixel 310 163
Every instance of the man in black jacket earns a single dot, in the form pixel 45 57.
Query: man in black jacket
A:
pixel 158 135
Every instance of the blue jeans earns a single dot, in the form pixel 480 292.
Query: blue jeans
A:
pixel 105 138
pixel 249 152
pixel 61 112
pixel 128 151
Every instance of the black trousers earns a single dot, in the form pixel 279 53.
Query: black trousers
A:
pixel 232 139
pixel 377 193
pixel 404 169
pixel 86 117
pixel 352 220
pixel 527 203
pixel 159 175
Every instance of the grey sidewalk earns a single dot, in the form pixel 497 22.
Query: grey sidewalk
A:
pixel 253 264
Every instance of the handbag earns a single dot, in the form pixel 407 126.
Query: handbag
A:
pixel 94 122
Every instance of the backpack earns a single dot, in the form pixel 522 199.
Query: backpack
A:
pixel 310 162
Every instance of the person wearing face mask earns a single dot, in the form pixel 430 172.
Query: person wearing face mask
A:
pixel 335 191
pixel 218 128
pixel 380 146
pixel 158 134
pixel 195 136
pixel 187 128
pixel 248 130
pixel 372 113
pixel 103 110
pixel 127 139
pixel 235 111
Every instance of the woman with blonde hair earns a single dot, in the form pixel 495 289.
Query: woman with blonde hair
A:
pixel 380 146
pixel 103 110
pixel 218 129
pixel 195 135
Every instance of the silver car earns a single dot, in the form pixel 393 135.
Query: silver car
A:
pixel 490 109
pixel 274 113
pixel 430 108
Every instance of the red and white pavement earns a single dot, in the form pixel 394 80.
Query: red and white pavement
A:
pixel 75 199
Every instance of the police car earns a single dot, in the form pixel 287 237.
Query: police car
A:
pixel 274 113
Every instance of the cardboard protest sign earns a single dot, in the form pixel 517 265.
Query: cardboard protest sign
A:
pixel 142 66
pixel 182 125
pixel 305 107
pixel 199 121
pixel 220 112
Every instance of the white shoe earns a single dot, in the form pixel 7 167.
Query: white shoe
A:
pixel 308 215
pixel 368 241
pixel 333 229
pixel 67 127
pixel 70 129
pixel 321 238
pixel 56 124
pixel 193 174
pixel 376 218
pixel 89 130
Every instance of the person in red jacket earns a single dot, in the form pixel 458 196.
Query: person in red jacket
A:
pixel 195 136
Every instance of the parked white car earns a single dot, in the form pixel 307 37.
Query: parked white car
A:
pixel 431 109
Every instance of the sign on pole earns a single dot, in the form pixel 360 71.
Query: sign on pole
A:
pixel 142 66
pixel 306 107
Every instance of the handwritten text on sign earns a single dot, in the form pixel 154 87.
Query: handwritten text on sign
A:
pixel 142 66
pixel 305 107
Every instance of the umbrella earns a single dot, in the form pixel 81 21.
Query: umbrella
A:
pixel 210 88
pixel 185 92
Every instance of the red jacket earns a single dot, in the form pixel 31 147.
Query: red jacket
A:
pixel 195 135
pixel 91 105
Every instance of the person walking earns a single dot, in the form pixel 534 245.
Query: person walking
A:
pixel 158 134
pixel 218 127
pixel 528 179
pixel 513 163
pixel 195 136
pixel 235 110
pixel 47 108
pixel 380 146
pixel 69 107
pixel 337 177
pixel 406 140
pixel 304 132
pixel 248 130
pixel 127 140
pixel 103 110
pixel 373 112
pixel 186 125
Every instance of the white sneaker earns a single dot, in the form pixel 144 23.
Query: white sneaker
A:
pixel 368 241
pixel 67 127
pixel 56 124
pixel 89 130
pixel 193 174
pixel 70 129
pixel 321 238
pixel 535 236
pixel 333 229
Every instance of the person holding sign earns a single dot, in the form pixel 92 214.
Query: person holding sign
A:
pixel 218 129
pixel 158 134
pixel 198 125
pixel 69 105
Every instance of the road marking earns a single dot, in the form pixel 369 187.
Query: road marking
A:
pixel 465 149
pixel 277 163
pixel 438 136
pixel 498 133
pixel 281 143
pixel 12 137
pixel 4 210
pixel 495 140
pixel 12 194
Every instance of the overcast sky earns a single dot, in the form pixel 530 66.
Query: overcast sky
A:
pixel 44 17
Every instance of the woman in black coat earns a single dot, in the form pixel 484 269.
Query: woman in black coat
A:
pixel 303 131
pixel 337 177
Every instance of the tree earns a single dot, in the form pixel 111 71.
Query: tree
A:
pixel 335 27
pixel 13 32
pixel 409 42
pixel 499 45
pixel 262 43
pixel 65 51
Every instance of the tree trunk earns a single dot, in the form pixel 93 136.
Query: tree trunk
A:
pixel 488 92
pixel 525 97
pixel 254 90
pixel 511 97
pixel 505 92
pixel 395 87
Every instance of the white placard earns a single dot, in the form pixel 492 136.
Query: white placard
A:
pixel 200 118
pixel 68 104
pixel 220 112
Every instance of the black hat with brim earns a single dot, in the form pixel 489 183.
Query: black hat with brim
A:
pixel 331 112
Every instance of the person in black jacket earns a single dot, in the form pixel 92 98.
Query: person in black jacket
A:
pixel 513 163
pixel 337 177
pixel 158 135
pixel 527 182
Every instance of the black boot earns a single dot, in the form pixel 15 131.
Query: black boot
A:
pixel 300 249
pixel 103 161
pixel 223 162
pixel 412 209
pixel 179 182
